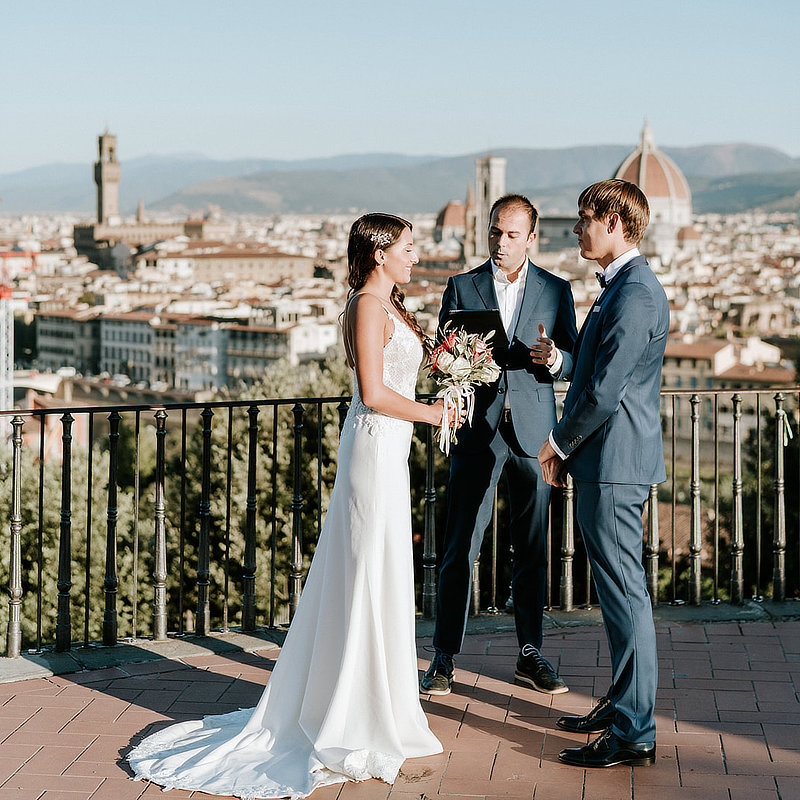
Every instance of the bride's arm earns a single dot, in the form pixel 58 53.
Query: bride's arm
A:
pixel 365 324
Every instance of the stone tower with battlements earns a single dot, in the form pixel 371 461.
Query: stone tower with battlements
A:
pixel 490 183
pixel 106 176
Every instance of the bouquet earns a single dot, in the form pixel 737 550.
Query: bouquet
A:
pixel 457 364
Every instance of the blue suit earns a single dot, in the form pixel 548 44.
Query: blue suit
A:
pixel 490 444
pixel 611 433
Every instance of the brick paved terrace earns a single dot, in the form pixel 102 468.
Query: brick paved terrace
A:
pixel 728 716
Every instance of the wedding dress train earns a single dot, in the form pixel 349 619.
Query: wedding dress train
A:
pixel 342 702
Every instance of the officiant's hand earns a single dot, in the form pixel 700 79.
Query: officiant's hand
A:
pixel 553 468
pixel 544 351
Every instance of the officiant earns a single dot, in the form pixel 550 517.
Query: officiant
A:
pixel 511 419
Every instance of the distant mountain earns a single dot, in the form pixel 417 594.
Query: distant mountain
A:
pixel 70 187
pixel 407 184
pixel 763 190
pixel 552 177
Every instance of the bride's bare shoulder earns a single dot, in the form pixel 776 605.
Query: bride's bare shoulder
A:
pixel 365 306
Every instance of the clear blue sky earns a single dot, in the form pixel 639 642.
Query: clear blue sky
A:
pixel 301 78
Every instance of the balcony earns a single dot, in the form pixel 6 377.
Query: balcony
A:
pixel 156 554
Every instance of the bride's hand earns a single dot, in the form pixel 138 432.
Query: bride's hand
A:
pixel 438 415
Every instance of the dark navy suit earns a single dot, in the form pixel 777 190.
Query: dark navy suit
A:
pixel 489 444
pixel 611 433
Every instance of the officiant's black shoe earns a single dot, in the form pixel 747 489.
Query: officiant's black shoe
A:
pixel 608 750
pixel 439 677
pixel 536 672
pixel 596 721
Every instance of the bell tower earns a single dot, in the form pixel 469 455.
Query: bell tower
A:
pixel 490 184
pixel 106 176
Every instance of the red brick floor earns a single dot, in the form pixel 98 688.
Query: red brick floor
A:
pixel 728 721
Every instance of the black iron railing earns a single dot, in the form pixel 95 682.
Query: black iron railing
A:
pixel 220 504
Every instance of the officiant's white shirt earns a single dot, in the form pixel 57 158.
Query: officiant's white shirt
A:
pixel 509 299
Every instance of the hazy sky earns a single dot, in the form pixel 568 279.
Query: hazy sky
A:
pixel 301 78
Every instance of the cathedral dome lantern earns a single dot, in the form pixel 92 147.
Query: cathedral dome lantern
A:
pixel 660 178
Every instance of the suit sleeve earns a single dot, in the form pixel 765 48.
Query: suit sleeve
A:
pixel 626 332
pixel 449 301
pixel 565 333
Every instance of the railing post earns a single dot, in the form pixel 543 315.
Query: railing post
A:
pixel 779 532
pixel 653 544
pixel 695 535
pixel 737 525
pixel 567 584
pixel 493 603
pixel 14 631
pixel 249 563
pixel 160 555
pixel 110 581
pixel 296 576
pixel 64 582
pixel 273 546
pixel 203 622
pixel 429 543
pixel 475 605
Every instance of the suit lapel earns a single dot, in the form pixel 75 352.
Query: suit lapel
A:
pixel 484 285
pixel 530 295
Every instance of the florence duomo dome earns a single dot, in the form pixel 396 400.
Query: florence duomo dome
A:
pixel 667 191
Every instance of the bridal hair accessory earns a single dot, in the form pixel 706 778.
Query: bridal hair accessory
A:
pixel 457 364
pixel 381 239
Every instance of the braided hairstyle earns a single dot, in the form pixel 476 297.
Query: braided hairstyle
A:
pixel 368 234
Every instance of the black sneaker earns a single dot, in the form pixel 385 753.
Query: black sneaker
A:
pixel 439 677
pixel 536 672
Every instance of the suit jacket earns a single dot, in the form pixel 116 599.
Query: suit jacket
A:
pixel 546 299
pixel 611 426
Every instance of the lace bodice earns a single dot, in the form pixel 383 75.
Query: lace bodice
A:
pixel 402 357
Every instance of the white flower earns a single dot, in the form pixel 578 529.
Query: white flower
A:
pixel 444 360
pixel 460 369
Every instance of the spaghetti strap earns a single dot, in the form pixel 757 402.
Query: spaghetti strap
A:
pixel 385 307
pixel 348 352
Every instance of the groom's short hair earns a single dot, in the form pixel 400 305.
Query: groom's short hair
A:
pixel 619 197
pixel 517 202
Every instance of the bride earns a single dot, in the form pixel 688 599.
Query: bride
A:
pixel 342 703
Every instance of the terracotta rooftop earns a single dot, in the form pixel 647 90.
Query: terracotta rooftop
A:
pixel 705 348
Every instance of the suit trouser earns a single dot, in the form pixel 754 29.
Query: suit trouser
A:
pixel 473 478
pixel 610 519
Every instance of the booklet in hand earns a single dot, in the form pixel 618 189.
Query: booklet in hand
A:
pixel 481 321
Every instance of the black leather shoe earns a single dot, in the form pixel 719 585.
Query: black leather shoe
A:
pixel 536 672
pixel 596 721
pixel 438 679
pixel 608 750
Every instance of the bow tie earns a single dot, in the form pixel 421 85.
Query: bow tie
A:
pixel 601 279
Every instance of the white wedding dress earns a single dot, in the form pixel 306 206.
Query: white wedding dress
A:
pixel 342 703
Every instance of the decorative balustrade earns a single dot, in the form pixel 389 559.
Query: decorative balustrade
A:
pixel 227 538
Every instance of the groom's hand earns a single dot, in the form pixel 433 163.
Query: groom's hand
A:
pixel 544 351
pixel 552 465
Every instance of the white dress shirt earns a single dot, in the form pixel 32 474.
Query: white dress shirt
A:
pixel 509 295
pixel 509 299
pixel 617 264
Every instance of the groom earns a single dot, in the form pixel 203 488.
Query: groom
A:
pixel 510 420
pixel 609 440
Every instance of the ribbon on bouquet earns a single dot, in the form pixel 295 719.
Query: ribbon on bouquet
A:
pixel 456 399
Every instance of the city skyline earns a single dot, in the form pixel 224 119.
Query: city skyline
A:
pixel 312 79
